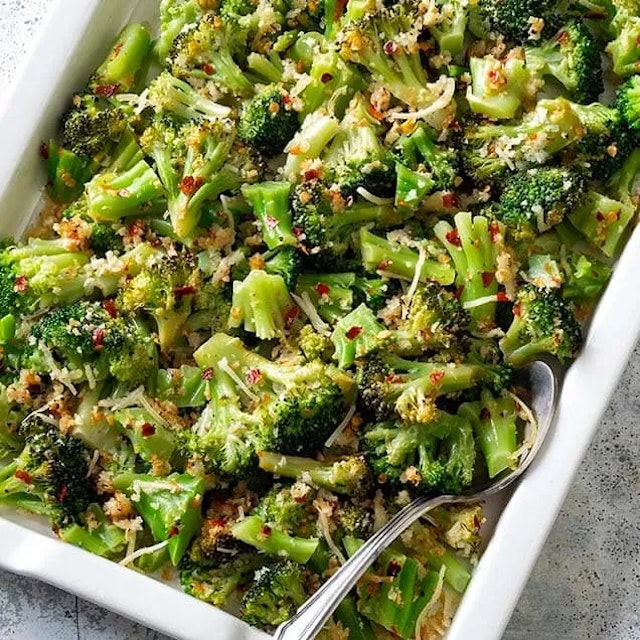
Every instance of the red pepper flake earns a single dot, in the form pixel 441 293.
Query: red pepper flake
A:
pixel 322 289
pixel 266 530
pixel 207 374
pixel 494 231
pixel 254 376
pixel 208 69
pixel 339 10
pixel 501 296
pixel 147 430
pixel 21 284
pixel 485 414
pixel 110 307
pixel 390 47
pixel 116 50
pixel 393 378
pixel 393 568
pixel 326 77
pixel 97 338
pixel 298 232
pixel 185 290
pixel 174 531
pixel 190 185
pixel 476 522
pixel 290 316
pixel 43 151
pixel 458 292
pixel 217 522
pixel 599 216
pixel 311 174
pixel 487 278
pixel 449 200
pixel 516 310
pixel 436 377
pixel 353 333
pixel 453 237
pixel 107 90
pixel 384 265
pixel 562 37
pixel 272 222
pixel 24 476
pixel 63 493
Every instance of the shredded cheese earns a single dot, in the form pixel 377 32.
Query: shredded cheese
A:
pixel 143 552
pixel 324 528
pixel 304 302
pixel 224 365
pixel 478 302
pixel 531 432
pixel 422 258
pixel 367 195
pixel 340 428
pixel 442 101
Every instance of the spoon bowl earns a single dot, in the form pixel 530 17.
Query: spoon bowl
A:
pixel 541 381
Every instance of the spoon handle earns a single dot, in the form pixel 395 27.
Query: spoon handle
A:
pixel 315 612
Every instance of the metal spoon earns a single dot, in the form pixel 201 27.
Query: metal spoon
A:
pixel 543 384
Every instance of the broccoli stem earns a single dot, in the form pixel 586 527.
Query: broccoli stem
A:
pixel 330 293
pixel 396 261
pixel 457 572
pixel 515 352
pixel 67 173
pixel 494 424
pixel 411 187
pixel 450 31
pixel 269 68
pixel 255 532
pixel 356 335
pixel 357 626
pixel 270 203
pixel 112 196
pixel 119 71
pixel 316 133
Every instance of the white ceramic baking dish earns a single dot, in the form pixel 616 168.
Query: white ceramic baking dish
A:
pixel 75 37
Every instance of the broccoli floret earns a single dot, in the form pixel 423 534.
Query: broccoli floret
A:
pixel 357 159
pixel 435 320
pixel 314 345
pixel 543 323
pixel 284 262
pixel 356 335
pixel 332 81
pixel 585 277
pixel 84 334
pixel 489 151
pixel 262 305
pixel 255 532
pixel 50 476
pixel 605 142
pixel 572 57
pixel 498 87
pixel 124 64
pixel 385 43
pixel 104 238
pixel 474 244
pixel 316 132
pixel 270 204
pixel 210 51
pixel 175 15
pixel 350 476
pixel 625 29
pixel 403 589
pixel 192 164
pixel 330 293
pixel 217 584
pixel 522 20
pixel 268 121
pixel 165 290
pixel 40 274
pixel 390 385
pixel 274 596
pixel 355 520
pixel 296 407
pixel 494 422
pixel 289 508
pixel 450 29
pixel 67 173
pixel 170 506
pixel 171 95
pixel 394 260
pixel 324 223
pixel 628 102
pixel 438 456
pixel 423 167
pixel 92 127
pixel 534 200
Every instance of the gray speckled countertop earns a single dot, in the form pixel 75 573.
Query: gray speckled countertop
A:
pixel 586 583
